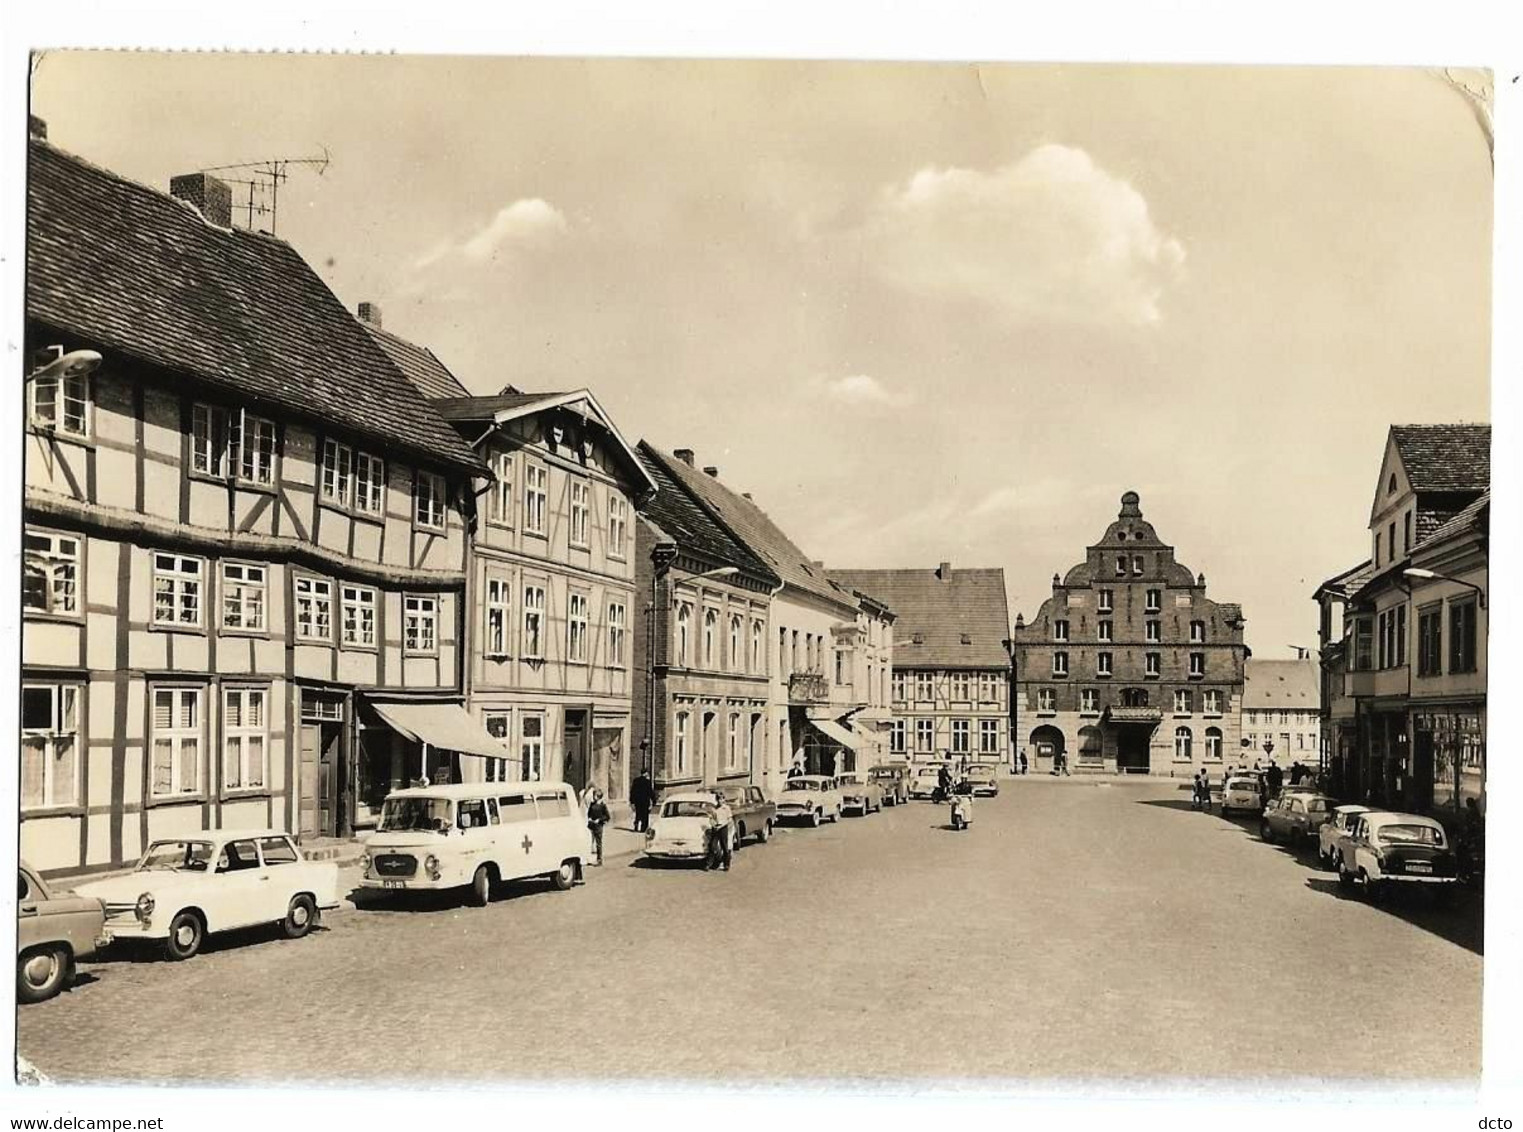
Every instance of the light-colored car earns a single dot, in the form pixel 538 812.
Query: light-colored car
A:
pixel 53 931
pixel 680 829
pixel 1294 818
pixel 1338 827
pixel 476 835
pixel 894 778
pixel 925 781
pixel 1387 850
pixel 983 780
pixel 185 888
pixel 859 792
pixel 811 798
pixel 1242 793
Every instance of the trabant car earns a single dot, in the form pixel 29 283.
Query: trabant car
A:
pixel 476 835
pixel 754 813
pixel 894 780
pixel 681 829
pixel 53 931
pixel 982 780
pixel 1338 827
pixel 185 888
pixel 1242 792
pixel 1295 817
pixel 1388 850
pixel 812 798
pixel 859 792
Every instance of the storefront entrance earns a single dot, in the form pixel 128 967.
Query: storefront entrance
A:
pixel 1133 743
pixel 608 761
pixel 322 765
pixel 574 747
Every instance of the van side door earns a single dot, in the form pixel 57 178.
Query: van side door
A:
pixel 562 832
pixel 517 834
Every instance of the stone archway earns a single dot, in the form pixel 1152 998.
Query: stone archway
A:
pixel 1047 744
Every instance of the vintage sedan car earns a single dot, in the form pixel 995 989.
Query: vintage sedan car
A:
pixel 983 780
pixel 894 780
pixel 1242 792
pixel 1293 818
pixel 811 798
pixel 859 792
pixel 925 782
pixel 184 888
pixel 1389 850
pixel 755 814
pixel 53 931
pixel 1338 827
pixel 680 829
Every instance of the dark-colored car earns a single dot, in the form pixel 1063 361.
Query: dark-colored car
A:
pixel 755 814
pixel 1387 851
pixel 1295 817
pixel 53 932
pixel 894 778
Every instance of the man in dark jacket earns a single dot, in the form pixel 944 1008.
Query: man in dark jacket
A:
pixel 642 795
pixel 597 817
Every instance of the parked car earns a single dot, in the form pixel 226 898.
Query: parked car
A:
pixel 1295 817
pixel 755 814
pixel 894 780
pixel 54 930
pixel 983 781
pixel 185 888
pixel 809 797
pixel 1338 827
pixel 1389 849
pixel 859 792
pixel 680 829
pixel 925 782
pixel 1242 792
pixel 476 835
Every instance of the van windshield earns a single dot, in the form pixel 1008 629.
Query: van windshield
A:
pixel 413 815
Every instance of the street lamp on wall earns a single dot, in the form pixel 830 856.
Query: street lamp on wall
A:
pixel 1421 575
pixel 76 363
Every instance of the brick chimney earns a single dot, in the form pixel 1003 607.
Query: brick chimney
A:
pixel 711 470
pixel 944 571
pixel 745 495
pixel 371 313
pixel 36 128
pixel 211 197
pixel 684 454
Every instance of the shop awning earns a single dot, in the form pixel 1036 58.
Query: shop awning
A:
pixel 448 727
pixel 1134 715
pixel 836 733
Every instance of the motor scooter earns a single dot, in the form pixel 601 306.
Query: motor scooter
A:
pixel 962 811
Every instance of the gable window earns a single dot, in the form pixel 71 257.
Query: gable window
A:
pixel 1107 601
pixel 580 495
pixel 176 742
pixel 49 746
pixel 1182 743
pixel 1060 664
pixel 1430 630
pixel 1152 665
pixel 1197 665
pixel 618 526
pixel 50 573
pixel 1102 664
pixel 1197 632
pixel 925 735
pixel 1213 702
pixel 244 590
pixel 428 491
pixel 420 623
pixel 497 604
pixel 534 622
pixel 1154 601
pixel 501 511
pixel 61 404
pixel 1182 702
pixel 1089 701
pixel 536 495
pixel 243 738
pixel 1060 630
pixel 616 631
pixel 177 590
pixel 314 608
pixel 338 473
pixel 1391 540
pixel 1137 567
pixel 1391 485
pixel 357 616
pixel 1462 636
pixel 1046 700
pixel 1120 565
pixel 576 628
pixel 1154 631
pixel 369 483
pixel 1406 533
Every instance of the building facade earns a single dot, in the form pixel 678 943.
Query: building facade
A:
pixel 949 684
pixel 1129 667
pixel 1404 634
pixel 244 537
pixel 1281 713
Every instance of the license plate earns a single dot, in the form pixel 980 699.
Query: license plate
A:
pixel 393 884
pixel 1419 867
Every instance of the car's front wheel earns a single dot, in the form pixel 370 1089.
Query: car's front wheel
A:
pixel 816 818
pixel 1345 878
pixel 565 876
pixel 765 833
pixel 186 934
pixel 300 916
pixel 43 972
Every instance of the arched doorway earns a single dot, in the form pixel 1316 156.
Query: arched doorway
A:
pixel 1047 743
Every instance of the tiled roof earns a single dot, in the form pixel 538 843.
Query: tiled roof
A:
pixel 1478 512
pixel 485 408
pixel 751 525
pixel 678 514
pixel 128 269
pixel 1290 684
pixel 967 604
pixel 422 367
pixel 1445 457
pixel 1350 580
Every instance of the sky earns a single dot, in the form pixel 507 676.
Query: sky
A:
pixel 922 312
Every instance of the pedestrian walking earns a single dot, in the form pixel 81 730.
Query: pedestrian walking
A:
pixel 1062 758
pixel 597 817
pixel 642 796
pixel 1023 760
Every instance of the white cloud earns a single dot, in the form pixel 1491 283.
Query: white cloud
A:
pixel 530 221
pixel 1052 235
pixel 865 390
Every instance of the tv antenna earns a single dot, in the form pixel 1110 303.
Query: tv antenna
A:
pixel 262 185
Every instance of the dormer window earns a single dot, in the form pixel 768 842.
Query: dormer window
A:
pixel 1060 630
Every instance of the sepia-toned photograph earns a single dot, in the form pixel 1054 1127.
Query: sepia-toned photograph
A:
pixel 833 574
